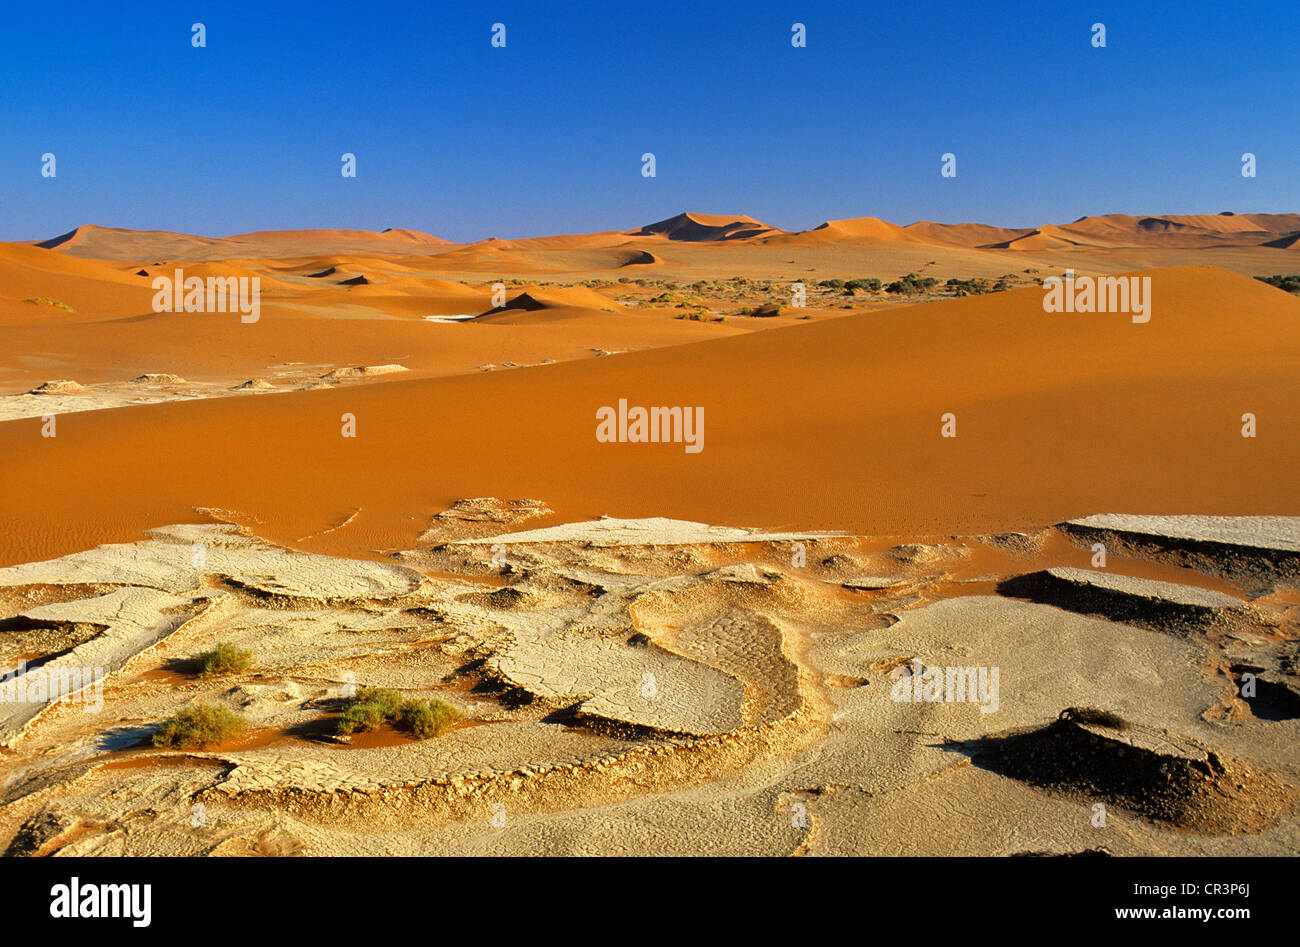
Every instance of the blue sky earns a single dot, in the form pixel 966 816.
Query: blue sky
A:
pixel 545 136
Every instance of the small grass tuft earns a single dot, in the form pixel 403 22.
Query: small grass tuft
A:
pixel 47 301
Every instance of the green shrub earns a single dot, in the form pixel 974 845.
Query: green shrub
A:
pixel 1290 284
pixel 200 725
pixel 372 707
pixel 426 718
pixel 871 285
pixel 911 283
pixel 369 709
pixel 360 718
pixel 225 658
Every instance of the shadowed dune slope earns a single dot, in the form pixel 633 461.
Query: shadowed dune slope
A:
pixel 539 305
pixel 832 424
pixel 968 235
pixel 706 227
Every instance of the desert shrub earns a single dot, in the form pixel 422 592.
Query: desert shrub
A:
pixel 912 283
pixel 768 310
pixel 976 286
pixel 1290 284
pixel 360 718
pixel 831 284
pixel 372 707
pixel 423 719
pixel 369 709
pixel 199 725
pixel 870 284
pixel 225 658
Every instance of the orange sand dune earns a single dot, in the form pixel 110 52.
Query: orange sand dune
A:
pixel 1175 231
pixel 351 262
pixel 396 240
pixel 152 246
pixel 706 227
pixel 476 256
pixel 831 424
pixel 1052 237
pixel 1228 223
pixel 323 330
pixel 638 258
pixel 547 303
pixel 693 246
pixel 1188 230
pixel 866 230
pixel 967 235
pixel 572 241
pixel 94 290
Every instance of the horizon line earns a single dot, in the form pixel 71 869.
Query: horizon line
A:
pixel 730 218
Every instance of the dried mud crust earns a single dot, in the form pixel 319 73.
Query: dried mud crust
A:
pixel 657 676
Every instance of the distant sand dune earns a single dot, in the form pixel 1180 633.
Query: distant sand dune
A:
pixel 706 227
pixel 868 230
pixel 111 243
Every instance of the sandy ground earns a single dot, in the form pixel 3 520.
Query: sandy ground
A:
pixel 327 457
pixel 830 424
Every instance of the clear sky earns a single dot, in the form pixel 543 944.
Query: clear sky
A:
pixel 463 140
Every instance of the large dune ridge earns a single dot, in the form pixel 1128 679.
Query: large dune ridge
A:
pixel 113 243
pixel 1171 231
pixel 832 424
pixel 863 230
